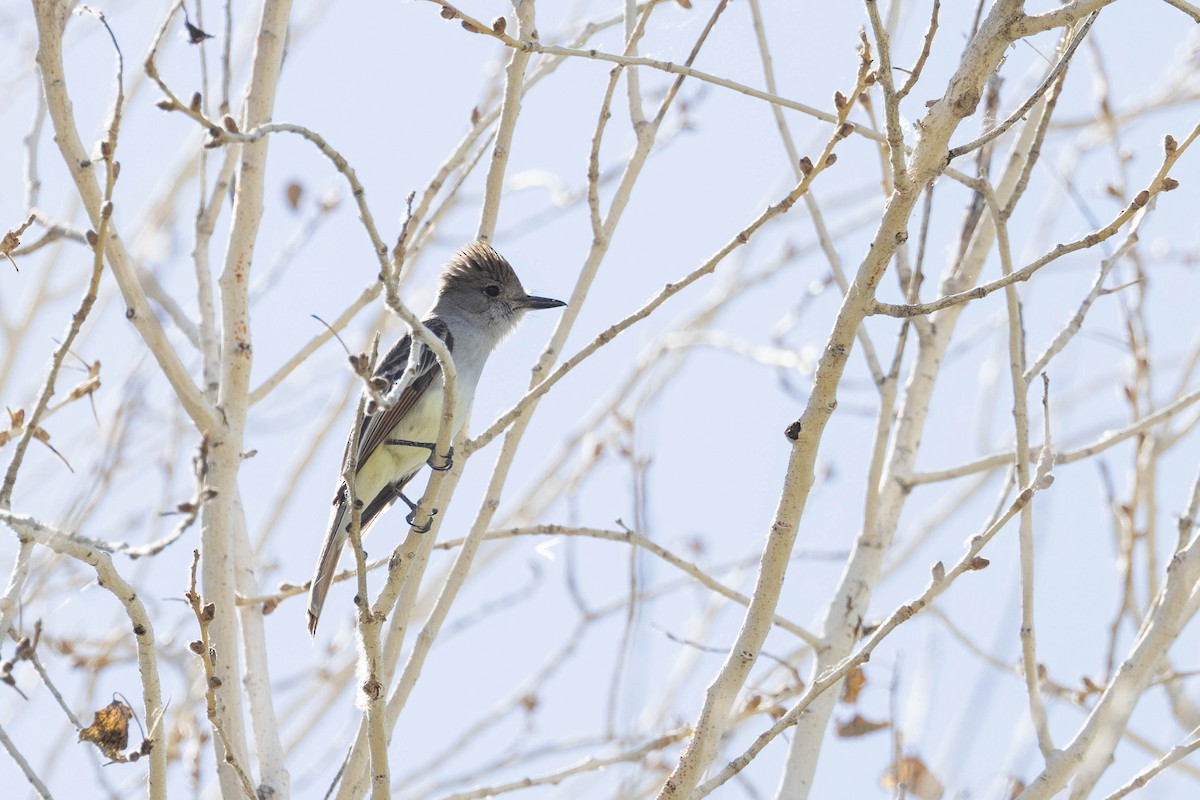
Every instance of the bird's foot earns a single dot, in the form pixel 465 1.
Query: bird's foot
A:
pixel 449 460
pixel 422 528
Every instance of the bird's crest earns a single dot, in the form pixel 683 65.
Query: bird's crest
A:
pixel 478 260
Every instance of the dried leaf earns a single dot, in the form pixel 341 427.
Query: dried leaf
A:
pixel 856 679
pixel 110 730
pixel 858 726
pixel 293 192
pixel 195 35
pixel 912 772
pixel 43 436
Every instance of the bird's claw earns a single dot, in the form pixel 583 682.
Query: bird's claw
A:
pixel 449 460
pixel 410 519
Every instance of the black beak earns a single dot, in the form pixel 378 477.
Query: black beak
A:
pixel 531 302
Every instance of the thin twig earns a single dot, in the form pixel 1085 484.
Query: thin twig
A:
pixel 1046 83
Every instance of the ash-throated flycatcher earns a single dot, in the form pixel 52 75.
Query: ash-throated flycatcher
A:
pixel 479 302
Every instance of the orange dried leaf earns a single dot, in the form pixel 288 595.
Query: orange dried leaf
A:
pixel 858 726
pixel 856 679
pixel 110 730
pixel 912 772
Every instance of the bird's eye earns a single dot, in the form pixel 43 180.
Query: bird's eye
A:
pixel 492 291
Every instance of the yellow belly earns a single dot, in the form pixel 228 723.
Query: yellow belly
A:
pixel 392 462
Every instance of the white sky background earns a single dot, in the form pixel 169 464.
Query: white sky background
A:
pixel 391 85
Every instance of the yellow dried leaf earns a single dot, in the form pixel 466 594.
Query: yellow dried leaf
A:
pixel 110 730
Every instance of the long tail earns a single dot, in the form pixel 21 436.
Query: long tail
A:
pixel 327 563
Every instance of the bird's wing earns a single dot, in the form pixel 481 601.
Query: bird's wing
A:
pixel 376 427
pixel 374 432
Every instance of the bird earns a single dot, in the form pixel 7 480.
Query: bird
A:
pixel 479 302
